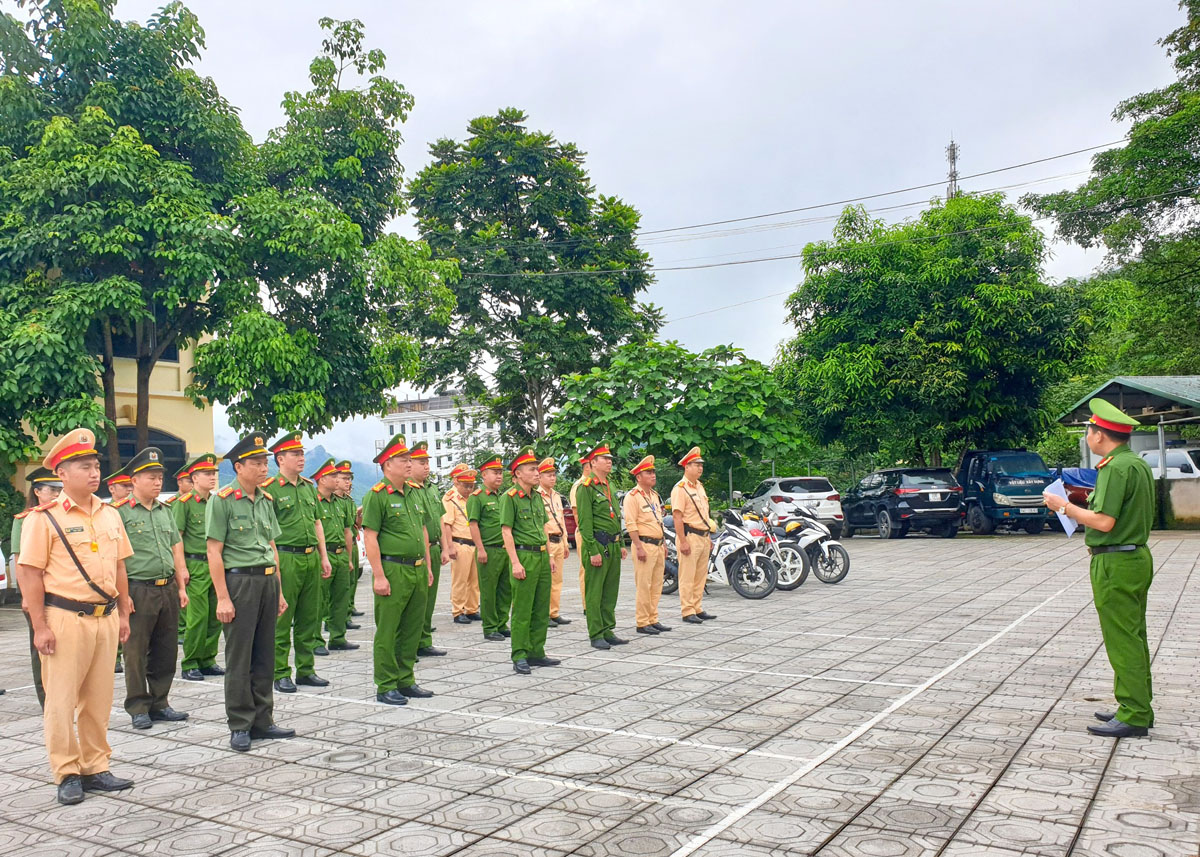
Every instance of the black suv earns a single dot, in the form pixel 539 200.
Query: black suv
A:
pixel 895 501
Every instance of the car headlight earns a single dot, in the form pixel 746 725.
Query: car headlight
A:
pixel 1002 500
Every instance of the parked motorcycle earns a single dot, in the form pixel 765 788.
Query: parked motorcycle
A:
pixel 791 562
pixel 830 561
pixel 734 560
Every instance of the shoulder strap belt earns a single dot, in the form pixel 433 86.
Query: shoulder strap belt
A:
pixel 78 565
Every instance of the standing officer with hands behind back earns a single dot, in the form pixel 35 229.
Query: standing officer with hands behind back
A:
pixel 599 531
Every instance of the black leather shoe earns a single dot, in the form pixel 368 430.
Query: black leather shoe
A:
pixel 119 667
pixel 141 721
pixel 321 651
pixel 560 620
pixel 544 662
pixel 493 637
pixel 647 629
pixel 475 617
pixel 462 619
pixel 352 626
pixel 392 697
pixel 70 791
pixel 193 675
pixel 313 680
pixel 506 633
pixel 705 615
pixel 213 670
pixel 240 741
pixel 356 612
pixel 1116 729
pixel 600 643
pixel 693 619
pixel 273 731
pixel 661 627
pixel 1105 716
pixel 416 692
pixel 430 652
pixel 169 714
pixel 344 646
pixel 285 685
pixel 104 782
pixel 614 640
pixel 521 667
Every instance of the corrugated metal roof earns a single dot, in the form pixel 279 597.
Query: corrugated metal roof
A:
pixel 1146 398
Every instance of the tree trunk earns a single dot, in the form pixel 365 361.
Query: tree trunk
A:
pixel 935 457
pixel 108 379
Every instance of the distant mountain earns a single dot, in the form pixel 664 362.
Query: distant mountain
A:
pixel 366 473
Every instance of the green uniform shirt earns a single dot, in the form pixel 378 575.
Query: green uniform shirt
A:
pixel 1125 491
pixel 296 509
pixel 189 512
pixel 335 516
pixel 152 534
pixel 595 510
pixel 245 527
pixel 483 507
pixel 433 512
pixel 18 523
pixel 526 514
pixel 398 516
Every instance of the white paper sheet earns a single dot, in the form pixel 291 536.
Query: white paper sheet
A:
pixel 1059 490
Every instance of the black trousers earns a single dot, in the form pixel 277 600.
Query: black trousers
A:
pixel 250 651
pixel 152 650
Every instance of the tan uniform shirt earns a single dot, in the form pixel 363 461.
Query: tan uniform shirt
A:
pixel 95 533
pixel 456 514
pixel 689 504
pixel 556 525
pixel 643 513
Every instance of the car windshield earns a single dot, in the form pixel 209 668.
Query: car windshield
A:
pixel 1019 464
pixel 1175 459
pixel 806 485
pixel 927 479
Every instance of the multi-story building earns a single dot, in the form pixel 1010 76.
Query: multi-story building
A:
pixel 454 429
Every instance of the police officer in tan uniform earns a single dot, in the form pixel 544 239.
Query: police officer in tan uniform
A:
pixel 73 585
pixel 464 578
pixel 642 510
pixel 556 534
pixel 693 528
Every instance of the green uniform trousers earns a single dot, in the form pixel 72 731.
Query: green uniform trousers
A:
pixel 337 589
pixel 1120 584
pixel 300 576
pixel 35 658
pixel 399 622
pixel 495 589
pixel 531 606
pixel 202 633
pixel 153 646
pixel 250 651
pixel 435 560
pixel 601 585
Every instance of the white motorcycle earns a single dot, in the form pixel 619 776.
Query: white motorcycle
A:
pixel 830 561
pixel 734 561
pixel 791 561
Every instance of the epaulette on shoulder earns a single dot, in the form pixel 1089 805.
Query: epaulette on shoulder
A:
pixel 44 506
pixel 21 515
pixel 268 483
pixel 1104 461
pixel 170 500
pixel 184 497
pixel 412 484
pixel 512 492
pixel 225 492
pixel 379 486
pixel 476 491
pixel 587 480
pixel 268 496
pixel 306 480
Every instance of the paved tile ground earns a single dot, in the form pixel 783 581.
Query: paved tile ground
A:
pixel 932 703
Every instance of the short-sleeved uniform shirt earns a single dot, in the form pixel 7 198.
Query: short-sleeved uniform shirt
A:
pixel 1124 491
pixel 153 535
pixel 553 504
pixel 483 507
pixel 245 526
pixel 523 511
pixel 336 515
pixel 596 511
pixel 94 524
pixel 398 516
pixel 643 511
pixel 189 511
pixel 689 504
pixel 454 505
pixel 296 509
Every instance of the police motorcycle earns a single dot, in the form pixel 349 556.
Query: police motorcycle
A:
pixel 829 560
pixel 734 560
pixel 784 549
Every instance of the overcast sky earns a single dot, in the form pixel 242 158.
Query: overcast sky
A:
pixel 700 111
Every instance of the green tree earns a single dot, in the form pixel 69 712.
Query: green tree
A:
pixel 921 337
pixel 659 398
pixel 551 273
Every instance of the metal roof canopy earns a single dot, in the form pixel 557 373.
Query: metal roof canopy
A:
pixel 1150 399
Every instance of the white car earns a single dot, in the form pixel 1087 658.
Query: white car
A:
pixel 814 492
pixel 1181 463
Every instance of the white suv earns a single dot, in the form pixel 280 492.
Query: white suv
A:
pixel 1181 463
pixel 814 492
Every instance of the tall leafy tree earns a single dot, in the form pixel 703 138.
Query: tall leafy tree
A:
pixel 926 335
pixel 551 271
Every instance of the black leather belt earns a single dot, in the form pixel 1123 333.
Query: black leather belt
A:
pixel 196 557
pixel 335 551
pixel 251 569
pixel 82 608
pixel 651 541
pixel 688 531
pixel 603 538
pixel 466 542
pixel 290 549
pixel 555 539
pixel 415 562
pixel 532 548
pixel 161 581
pixel 500 545
pixel 1113 549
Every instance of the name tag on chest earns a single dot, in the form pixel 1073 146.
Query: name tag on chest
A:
pixel 73 529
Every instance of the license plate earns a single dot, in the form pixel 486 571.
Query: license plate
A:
pixel 811 504
pixel 935 498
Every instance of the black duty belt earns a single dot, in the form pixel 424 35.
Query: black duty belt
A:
pixel 251 569
pixel 555 539
pixel 82 608
pixel 466 542
pixel 532 548
pixel 161 581
pixel 690 530
pixel 290 549
pixel 335 551
pixel 1113 549
pixel 500 545
pixel 415 562
pixel 603 538
pixel 196 557
pixel 651 541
